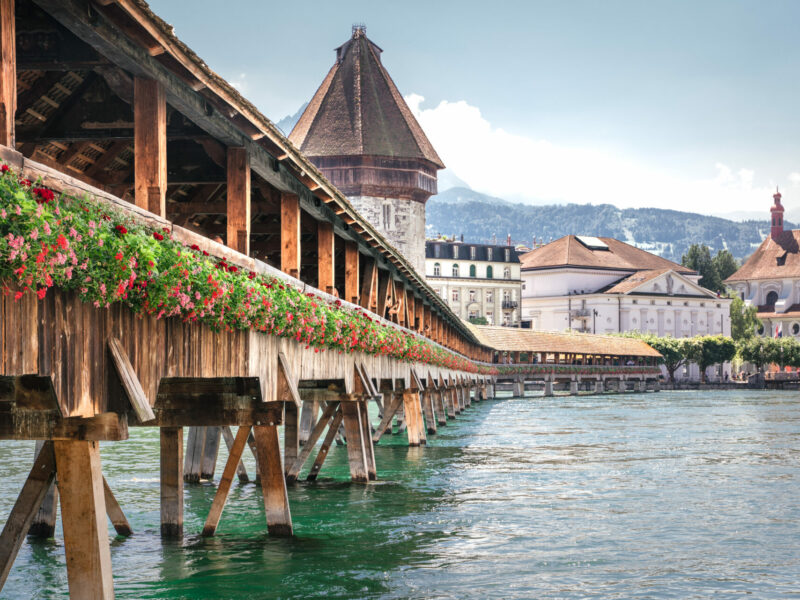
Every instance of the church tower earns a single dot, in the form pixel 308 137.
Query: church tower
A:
pixel 360 133
pixel 776 214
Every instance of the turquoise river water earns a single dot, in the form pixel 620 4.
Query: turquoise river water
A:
pixel 669 495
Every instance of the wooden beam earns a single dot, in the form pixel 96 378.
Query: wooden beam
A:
pixel 273 483
pixel 294 470
pixel 241 471
pixel 290 235
pixel 326 445
pixel 114 511
pixel 234 458
pixel 238 194
pixel 351 269
pixel 130 381
pixel 25 508
pixel 8 73
pixel 369 289
pixel 171 482
pixel 150 145
pixel 83 518
pixel 325 245
pixel 354 432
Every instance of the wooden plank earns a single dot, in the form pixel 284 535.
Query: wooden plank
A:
pixel 25 508
pixel 308 447
pixel 287 383
pixel 325 447
pixel 351 270
pixel 366 436
pixel 411 411
pixel 44 523
pixel 427 405
pixel 355 442
pixel 325 259
pixel 210 453
pixel 390 409
pixel 83 512
pixel 8 73
pixel 114 511
pixel 291 435
pixel 238 200
pixel 384 292
pixel 290 234
pixel 273 483
pixel 33 425
pixel 241 471
pixel 150 145
pixel 308 418
pixel 195 445
pixel 130 381
pixel 369 290
pixel 234 459
pixel 171 482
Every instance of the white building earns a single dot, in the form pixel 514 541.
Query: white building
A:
pixel 602 285
pixel 476 280
pixel 770 278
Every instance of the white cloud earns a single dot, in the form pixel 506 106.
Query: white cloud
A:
pixel 794 179
pixel 239 82
pixel 515 167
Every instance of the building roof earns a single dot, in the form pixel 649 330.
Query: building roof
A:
pixel 569 251
pixel 358 111
pixel 481 251
pixel 774 259
pixel 511 339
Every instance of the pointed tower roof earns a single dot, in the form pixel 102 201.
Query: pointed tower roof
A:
pixel 358 110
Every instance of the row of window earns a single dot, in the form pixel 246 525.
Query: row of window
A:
pixel 473 295
pixel 506 252
pixel 473 272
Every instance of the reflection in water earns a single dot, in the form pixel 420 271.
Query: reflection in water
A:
pixel 666 495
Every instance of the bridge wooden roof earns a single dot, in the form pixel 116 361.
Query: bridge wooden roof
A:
pixel 512 339
pixel 100 50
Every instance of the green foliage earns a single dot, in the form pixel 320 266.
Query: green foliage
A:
pixel 724 264
pixel 757 350
pixel 744 322
pixel 673 350
pixel 698 258
pixel 708 350
pixel 478 321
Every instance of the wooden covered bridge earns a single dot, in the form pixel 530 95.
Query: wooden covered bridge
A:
pixel 570 361
pixel 121 306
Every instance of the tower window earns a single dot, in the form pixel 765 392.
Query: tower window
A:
pixel 506 273
pixel 387 216
pixel 488 254
pixel 455 251
pixel 455 270
pixel 489 272
pixel 472 252
pixel 472 272
pixel 772 298
pixel 437 269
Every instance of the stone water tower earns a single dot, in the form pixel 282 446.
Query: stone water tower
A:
pixel 360 133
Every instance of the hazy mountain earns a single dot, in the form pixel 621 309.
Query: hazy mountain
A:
pixel 668 233
pixel 287 123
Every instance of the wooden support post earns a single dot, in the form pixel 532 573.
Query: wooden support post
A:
pixel 83 518
pixel 234 458
pixel 25 508
pixel 366 436
pixel 195 449
pixel 450 395
pixel 351 267
pixel 400 296
pixel 355 441
pixel 390 407
pixel 326 445
pixel 241 471
pixel 293 470
pixel 150 145
pixel 290 234
pixel 291 435
pixel 413 415
pixel 210 453
pixel 308 417
pixel 273 482
pixel 412 311
pixel 8 73
pixel 238 200
pixel 114 511
pixel 427 405
pixel 326 277
pixel 172 482
pixel 44 523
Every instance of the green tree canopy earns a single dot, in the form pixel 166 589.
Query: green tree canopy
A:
pixel 724 264
pixel 698 258
pixel 744 321
pixel 708 350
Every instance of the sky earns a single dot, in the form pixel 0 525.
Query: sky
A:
pixel 690 105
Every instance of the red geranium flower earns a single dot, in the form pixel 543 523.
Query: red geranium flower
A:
pixel 121 229
pixel 158 236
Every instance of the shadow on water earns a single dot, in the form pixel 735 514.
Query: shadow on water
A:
pixel 666 495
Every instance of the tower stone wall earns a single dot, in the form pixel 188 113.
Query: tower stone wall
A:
pixel 400 221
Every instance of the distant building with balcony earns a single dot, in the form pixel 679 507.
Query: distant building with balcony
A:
pixel 602 285
pixel 476 280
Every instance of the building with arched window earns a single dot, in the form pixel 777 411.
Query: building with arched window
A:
pixel 770 278
pixel 471 289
